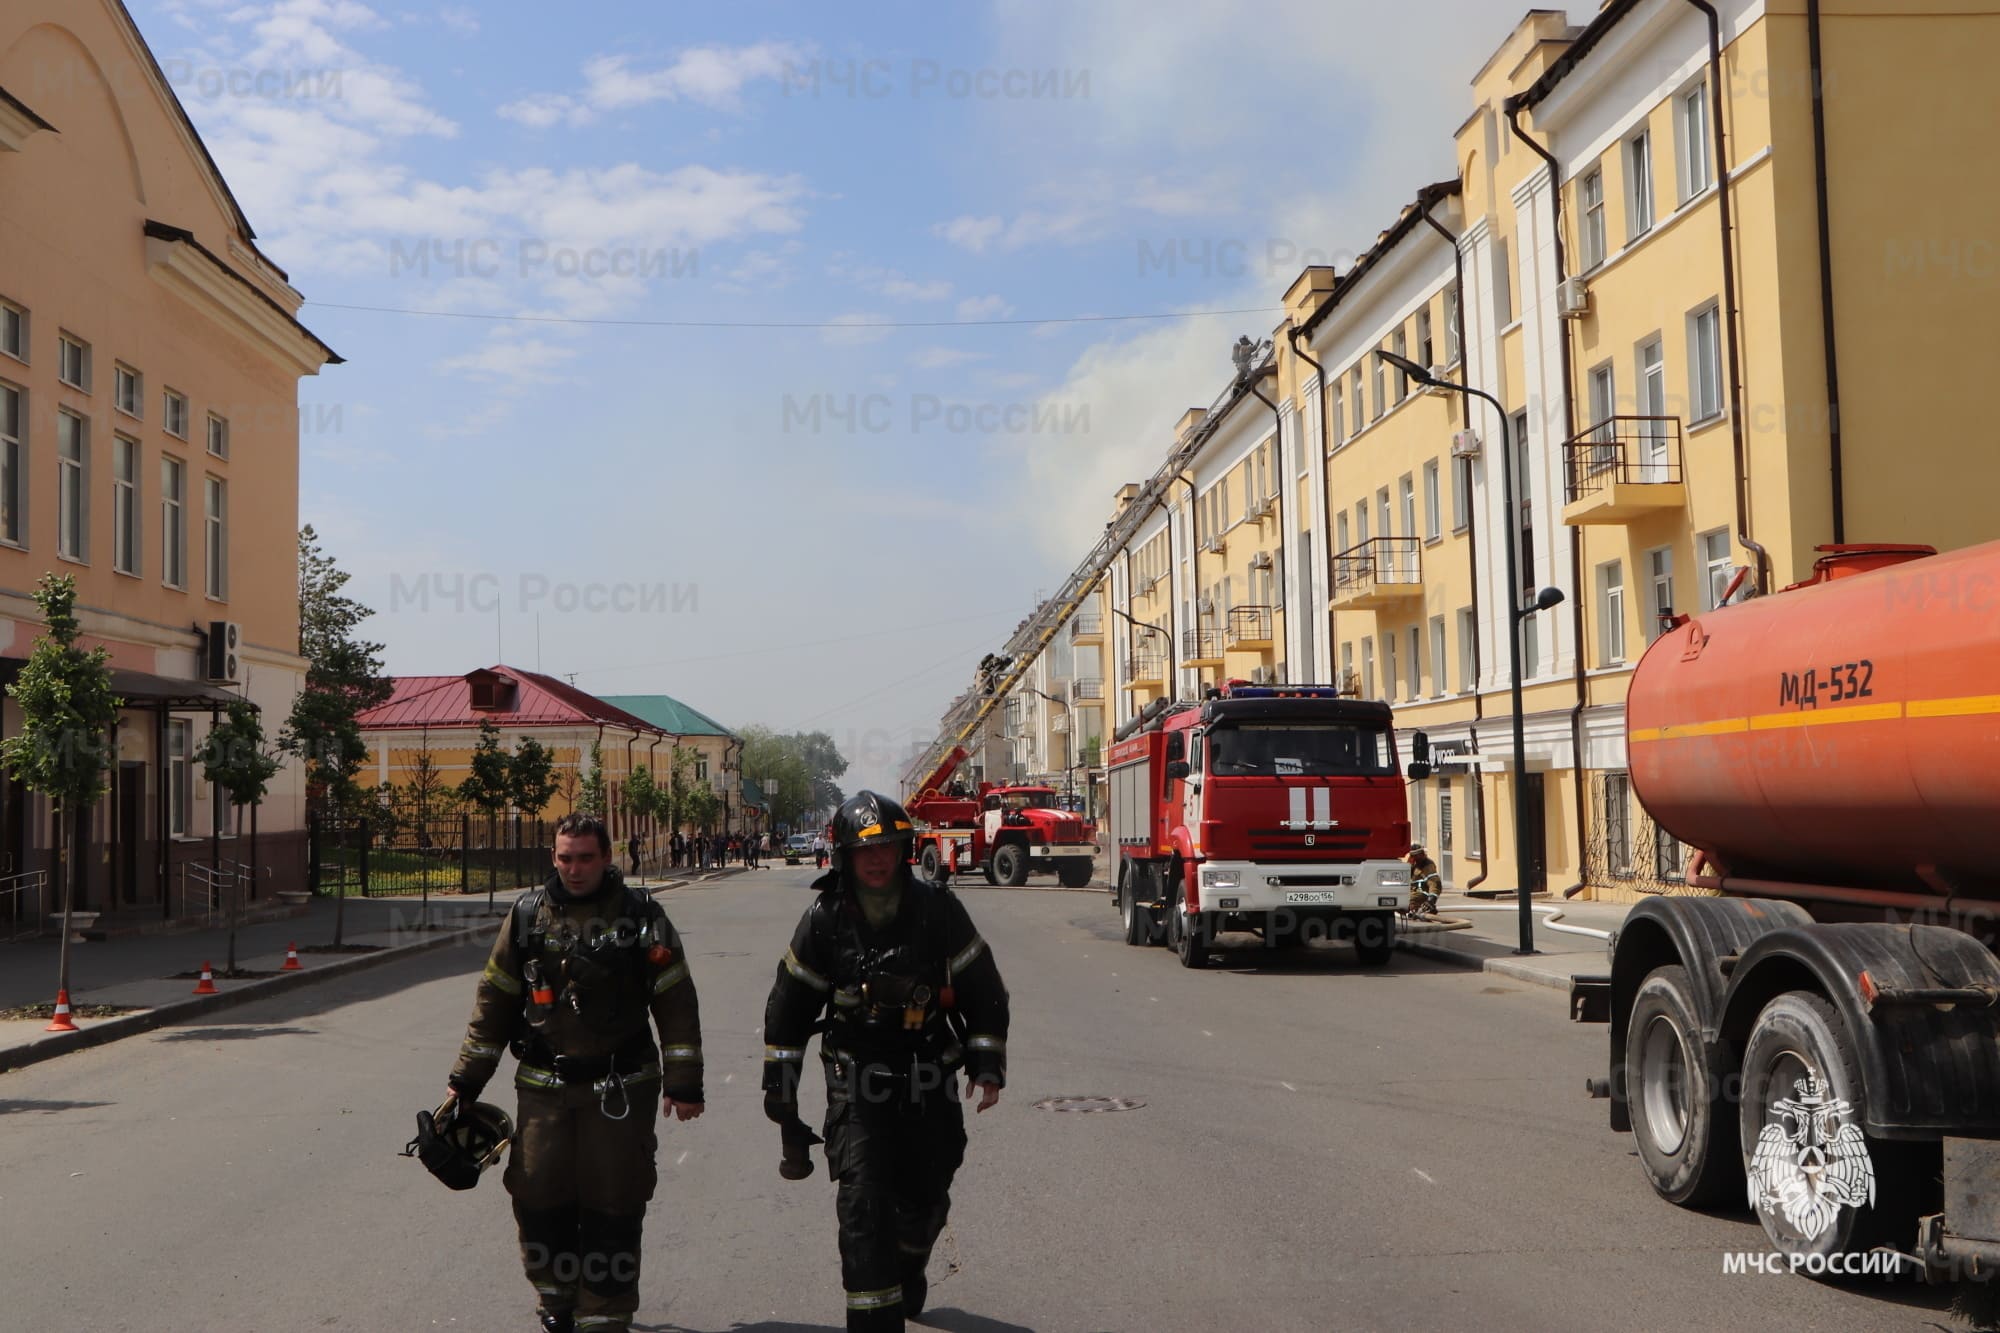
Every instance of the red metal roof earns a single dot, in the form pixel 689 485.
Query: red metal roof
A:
pixel 539 701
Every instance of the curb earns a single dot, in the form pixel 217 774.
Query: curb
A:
pixel 1499 966
pixel 107 1030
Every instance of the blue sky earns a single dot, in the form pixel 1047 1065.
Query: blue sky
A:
pixel 542 172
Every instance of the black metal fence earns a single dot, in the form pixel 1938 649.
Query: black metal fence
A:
pixel 415 849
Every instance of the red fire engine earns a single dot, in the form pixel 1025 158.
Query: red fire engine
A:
pixel 1273 808
pixel 1005 832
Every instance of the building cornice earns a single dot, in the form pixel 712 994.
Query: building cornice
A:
pixel 188 269
pixel 18 123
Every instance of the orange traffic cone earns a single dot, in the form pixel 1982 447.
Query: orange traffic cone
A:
pixel 207 984
pixel 61 1022
pixel 292 963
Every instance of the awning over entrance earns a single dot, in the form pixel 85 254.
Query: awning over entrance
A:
pixel 143 689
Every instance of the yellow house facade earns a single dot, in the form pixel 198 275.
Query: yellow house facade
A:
pixel 149 365
pixel 1727 320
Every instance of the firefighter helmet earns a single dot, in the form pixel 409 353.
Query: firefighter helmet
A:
pixel 867 818
pixel 459 1140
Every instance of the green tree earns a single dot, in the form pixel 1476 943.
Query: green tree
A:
pixel 343 676
pixel 234 757
pixel 796 770
pixel 590 793
pixel 488 785
pixel 568 784
pixel 678 787
pixel 640 798
pixel 703 807
pixel 63 747
pixel 531 777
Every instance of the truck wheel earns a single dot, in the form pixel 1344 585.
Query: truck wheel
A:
pixel 1374 938
pixel 929 864
pixel 1138 920
pixel 1862 1192
pixel 1189 934
pixel 1010 865
pixel 1074 872
pixel 1684 1126
pixel 986 869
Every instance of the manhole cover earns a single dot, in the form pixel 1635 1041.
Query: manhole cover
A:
pixel 1089 1105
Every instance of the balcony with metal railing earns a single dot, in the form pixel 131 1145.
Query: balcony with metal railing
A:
pixel 1201 647
pixel 1145 671
pixel 1250 629
pixel 1623 468
pixel 1086 627
pixel 1380 572
pixel 1087 690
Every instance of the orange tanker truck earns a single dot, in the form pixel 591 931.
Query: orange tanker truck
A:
pixel 1822 1041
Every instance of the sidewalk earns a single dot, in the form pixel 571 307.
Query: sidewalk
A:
pixel 139 972
pixel 1484 933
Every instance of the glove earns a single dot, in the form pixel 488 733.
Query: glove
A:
pixel 796 1161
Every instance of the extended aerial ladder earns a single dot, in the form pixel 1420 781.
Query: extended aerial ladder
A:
pixel 1040 629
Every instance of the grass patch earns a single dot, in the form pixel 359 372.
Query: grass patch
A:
pixel 26 1011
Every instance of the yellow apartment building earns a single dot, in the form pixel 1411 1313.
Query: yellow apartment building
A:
pixel 149 365
pixel 1728 320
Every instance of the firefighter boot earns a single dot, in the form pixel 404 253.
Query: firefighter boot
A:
pixel 559 1323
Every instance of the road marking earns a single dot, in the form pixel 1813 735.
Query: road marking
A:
pixel 1154 998
pixel 1206 1033
pixel 684 1156
pixel 1286 1086
pixel 1426 1179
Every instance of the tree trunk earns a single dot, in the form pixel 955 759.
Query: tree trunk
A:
pixel 62 878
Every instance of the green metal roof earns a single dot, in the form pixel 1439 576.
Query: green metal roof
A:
pixel 668 714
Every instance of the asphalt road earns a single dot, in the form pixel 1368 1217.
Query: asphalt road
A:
pixel 1318 1147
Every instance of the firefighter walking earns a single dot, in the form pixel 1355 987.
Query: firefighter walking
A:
pixel 911 995
pixel 580 967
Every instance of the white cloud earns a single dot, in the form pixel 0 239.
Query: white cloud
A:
pixel 852 330
pixel 984 307
pixel 459 18
pixel 974 234
pixel 711 76
pixel 513 359
pixel 1090 204
pixel 942 358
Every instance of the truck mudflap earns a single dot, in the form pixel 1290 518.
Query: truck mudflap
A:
pixel 1929 1054
pixel 1590 999
pixel 1962 1244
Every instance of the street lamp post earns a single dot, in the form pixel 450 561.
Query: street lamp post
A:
pixel 1069 742
pixel 1516 613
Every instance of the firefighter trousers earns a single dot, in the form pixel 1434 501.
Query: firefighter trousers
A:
pixel 580 1182
pixel 894 1158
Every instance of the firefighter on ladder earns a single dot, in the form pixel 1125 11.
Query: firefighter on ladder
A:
pixel 911 995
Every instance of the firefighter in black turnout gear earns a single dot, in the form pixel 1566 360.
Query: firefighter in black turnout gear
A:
pixel 580 969
pixel 910 995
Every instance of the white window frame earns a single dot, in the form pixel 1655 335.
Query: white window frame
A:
pixel 1704 323
pixel 1694 140
pixel 73 490
pixel 173 522
pixel 1660 589
pixel 1451 303
pixel 1378 381
pixel 174 413
pixel 1611 613
pixel 1473 844
pixel 1346 664
pixel 1390 678
pixel 1337 415
pixel 1467 626
pixel 218 433
pixel 1368 668
pixel 1638 186
pixel 17 346
pixel 1440 686
pixel 1413 670
pixel 180 775
pixel 1384 513
pixel 1426 341
pixel 13 470
pixel 1399 343
pixel 128 391
pixel 1357 406
pixel 66 343
pixel 1461 494
pixel 1360 522
pixel 1712 549
pixel 1341 533
pixel 1590 218
pixel 1406 491
pixel 126 458
pixel 1433 504
pixel 1603 388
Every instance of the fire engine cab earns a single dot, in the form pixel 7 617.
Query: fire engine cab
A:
pixel 1277 809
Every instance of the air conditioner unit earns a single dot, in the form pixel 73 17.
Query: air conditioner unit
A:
pixel 1572 298
pixel 218 660
pixel 1206 606
pixel 1440 385
pixel 1262 676
pixel 1261 560
pixel 1465 444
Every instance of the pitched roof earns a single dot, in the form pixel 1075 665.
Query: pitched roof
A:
pixel 539 701
pixel 753 793
pixel 669 714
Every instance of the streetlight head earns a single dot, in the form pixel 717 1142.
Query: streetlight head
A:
pixel 1419 374
pixel 1547 598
